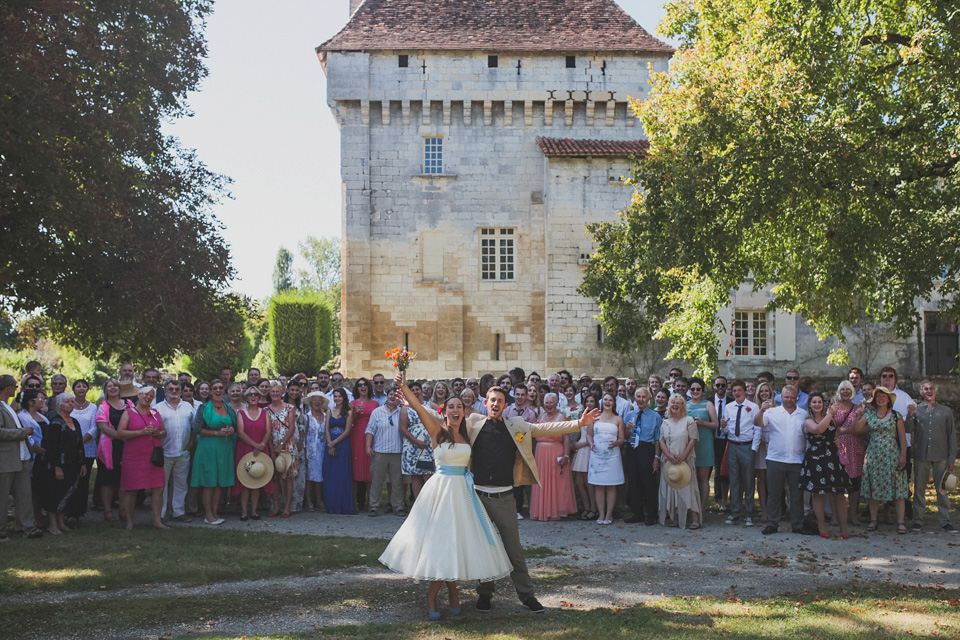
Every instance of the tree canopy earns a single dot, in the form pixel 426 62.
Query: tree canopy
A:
pixel 106 221
pixel 808 145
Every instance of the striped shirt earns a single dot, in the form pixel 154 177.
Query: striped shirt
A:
pixel 384 426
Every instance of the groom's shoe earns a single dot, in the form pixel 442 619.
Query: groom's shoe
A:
pixel 533 604
pixel 483 602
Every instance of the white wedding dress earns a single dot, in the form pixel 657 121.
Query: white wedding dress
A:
pixel 443 538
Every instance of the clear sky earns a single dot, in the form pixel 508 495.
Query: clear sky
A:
pixel 261 117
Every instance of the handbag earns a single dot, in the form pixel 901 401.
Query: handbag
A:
pixel 425 465
pixel 156 458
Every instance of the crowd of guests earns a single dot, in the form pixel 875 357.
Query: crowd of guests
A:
pixel 191 447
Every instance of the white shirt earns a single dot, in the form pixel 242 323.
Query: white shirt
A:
pixel 747 414
pixel 24 450
pixel 177 421
pixel 623 405
pixel 87 418
pixel 900 406
pixel 786 440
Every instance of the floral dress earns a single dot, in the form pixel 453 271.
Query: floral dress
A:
pixel 279 421
pixel 822 472
pixel 411 453
pixel 882 480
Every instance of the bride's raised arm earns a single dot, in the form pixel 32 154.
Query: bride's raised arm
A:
pixel 431 419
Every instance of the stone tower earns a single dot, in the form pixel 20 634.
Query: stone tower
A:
pixel 477 139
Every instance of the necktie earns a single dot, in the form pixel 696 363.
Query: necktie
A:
pixel 739 410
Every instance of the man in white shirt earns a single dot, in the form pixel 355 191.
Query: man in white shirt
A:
pixel 610 385
pixel 177 419
pixel 384 446
pixel 336 382
pixel 15 463
pixel 555 387
pixel 721 483
pixel 737 424
pixel 785 449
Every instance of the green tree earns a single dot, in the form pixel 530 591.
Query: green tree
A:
pixel 810 145
pixel 324 276
pixel 283 271
pixel 106 220
pixel 231 345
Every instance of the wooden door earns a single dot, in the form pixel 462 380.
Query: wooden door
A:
pixel 940 344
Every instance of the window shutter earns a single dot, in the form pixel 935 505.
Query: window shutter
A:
pixel 785 336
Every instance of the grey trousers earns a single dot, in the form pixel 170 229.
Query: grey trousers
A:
pixel 385 467
pixel 19 483
pixel 740 470
pixel 502 510
pixel 780 474
pixel 921 474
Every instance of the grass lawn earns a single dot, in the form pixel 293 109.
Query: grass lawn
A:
pixel 106 556
pixel 887 612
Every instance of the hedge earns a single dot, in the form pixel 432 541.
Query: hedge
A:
pixel 300 331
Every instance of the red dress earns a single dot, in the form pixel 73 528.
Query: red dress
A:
pixel 137 472
pixel 358 440
pixel 554 496
pixel 255 429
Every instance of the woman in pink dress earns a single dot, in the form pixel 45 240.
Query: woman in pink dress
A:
pixel 554 497
pixel 253 434
pixel 850 445
pixel 363 406
pixel 141 429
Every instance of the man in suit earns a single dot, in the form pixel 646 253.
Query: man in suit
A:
pixel 15 462
pixel 502 458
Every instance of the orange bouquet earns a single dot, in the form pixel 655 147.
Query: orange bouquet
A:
pixel 401 358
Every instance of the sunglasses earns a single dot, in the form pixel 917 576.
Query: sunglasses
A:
pixel 793 377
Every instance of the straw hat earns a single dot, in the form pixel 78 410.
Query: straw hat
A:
pixel 318 394
pixel 676 475
pixel 128 389
pixel 892 394
pixel 254 472
pixel 949 483
pixel 283 462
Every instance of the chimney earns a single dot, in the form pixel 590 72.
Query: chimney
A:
pixel 354 5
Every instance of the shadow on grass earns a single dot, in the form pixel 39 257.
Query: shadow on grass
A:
pixel 105 556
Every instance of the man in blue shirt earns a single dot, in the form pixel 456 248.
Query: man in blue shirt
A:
pixel 641 460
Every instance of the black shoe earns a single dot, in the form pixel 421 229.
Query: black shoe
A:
pixel 33 534
pixel 650 521
pixel 767 530
pixel 807 531
pixel 634 519
pixel 3 537
pixel 483 602
pixel 530 603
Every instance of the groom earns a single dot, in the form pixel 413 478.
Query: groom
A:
pixel 502 458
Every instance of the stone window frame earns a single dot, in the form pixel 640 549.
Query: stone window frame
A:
pixel 751 333
pixel 433 159
pixel 500 244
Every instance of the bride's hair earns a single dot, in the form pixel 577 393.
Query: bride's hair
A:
pixel 446 433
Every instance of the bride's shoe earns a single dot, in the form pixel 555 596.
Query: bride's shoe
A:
pixel 432 615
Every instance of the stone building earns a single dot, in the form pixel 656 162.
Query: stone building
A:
pixel 477 139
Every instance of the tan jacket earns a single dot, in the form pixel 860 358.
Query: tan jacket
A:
pixel 10 438
pixel 525 467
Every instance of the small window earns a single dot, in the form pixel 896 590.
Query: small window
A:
pixel 496 253
pixel 403 61
pixel 433 155
pixel 571 62
pixel 493 61
pixel 750 333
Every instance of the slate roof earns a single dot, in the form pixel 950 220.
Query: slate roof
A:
pixel 570 147
pixel 494 25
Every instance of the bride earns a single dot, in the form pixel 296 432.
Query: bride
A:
pixel 448 535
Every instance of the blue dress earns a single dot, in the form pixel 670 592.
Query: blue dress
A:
pixel 337 473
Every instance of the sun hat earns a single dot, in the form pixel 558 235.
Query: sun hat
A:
pixel 128 389
pixel 317 394
pixel 949 483
pixel 891 394
pixel 254 472
pixel 676 475
pixel 283 462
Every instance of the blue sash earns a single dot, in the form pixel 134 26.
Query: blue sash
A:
pixel 447 470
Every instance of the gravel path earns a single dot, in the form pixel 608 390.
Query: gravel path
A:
pixel 595 566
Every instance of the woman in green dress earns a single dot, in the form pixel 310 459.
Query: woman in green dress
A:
pixel 705 415
pixel 213 464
